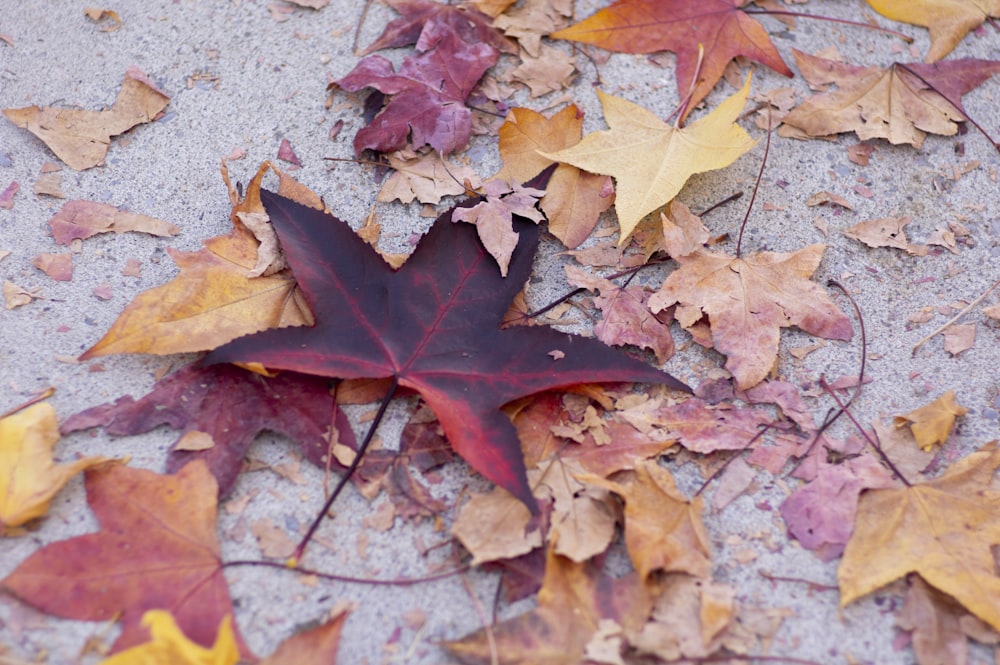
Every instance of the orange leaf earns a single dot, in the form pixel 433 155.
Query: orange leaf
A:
pixel 932 424
pixel 949 20
pixel 944 530
pixel 681 26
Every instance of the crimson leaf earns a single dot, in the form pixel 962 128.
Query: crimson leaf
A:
pixel 434 325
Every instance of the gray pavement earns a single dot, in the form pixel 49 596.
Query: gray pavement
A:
pixel 238 79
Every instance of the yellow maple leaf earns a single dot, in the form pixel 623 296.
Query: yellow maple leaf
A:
pixel 948 20
pixel 943 529
pixel 651 160
pixel 169 646
pixel 932 424
pixel 29 479
pixel 216 297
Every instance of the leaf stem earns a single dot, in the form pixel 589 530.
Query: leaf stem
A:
pixel 843 21
pixel 293 561
pixel 956 317
pixel 399 581
pixel 756 186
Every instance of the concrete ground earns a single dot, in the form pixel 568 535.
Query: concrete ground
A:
pixel 240 80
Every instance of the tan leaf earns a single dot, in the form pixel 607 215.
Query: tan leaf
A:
pixel 932 424
pixel 14 296
pixel 495 526
pixel 886 232
pixel 582 524
pixel 425 177
pixel 959 337
pixel 943 529
pixel 683 232
pixel 82 219
pixel 57 266
pixel 748 300
pixel 81 138
pixel 663 530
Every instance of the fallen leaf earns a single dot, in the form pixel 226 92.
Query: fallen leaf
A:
pixel 948 20
pixel 157 548
pixel 213 299
pixel 683 232
pixel 14 296
pixel 821 198
pixel 549 71
pixel 494 217
pixel 49 184
pixel 287 154
pixel 943 530
pixel 651 160
pixel 433 325
pixel 313 646
pixel 689 620
pixel 81 138
pixel 748 300
pixel 82 219
pixel 573 199
pixel 96 14
pixel 960 337
pixel 820 514
pixel 900 103
pixel 626 318
pixel 531 20
pixel 231 406
pixel 425 177
pixel 886 232
pixel 932 424
pixel 167 644
pixel 495 526
pixel 573 600
pixel 57 266
pixel 470 25
pixel 7 196
pixel 939 626
pixel 427 93
pixel 663 529
pixel 682 26
pixel 29 478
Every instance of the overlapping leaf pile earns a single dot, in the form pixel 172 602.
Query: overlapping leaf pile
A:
pixel 314 316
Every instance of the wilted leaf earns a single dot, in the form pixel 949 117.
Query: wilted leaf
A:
pixel 213 299
pixel 949 20
pixel 495 526
pixel 682 26
pixel 313 646
pixel 886 232
pixel 651 160
pixel 748 300
pixel 472 26
pixel 900 103
pixel 83 219
pixel 81 138
pixel 57 266
pixel 571 604
pixel 663 529
pixel 230 406
pixel 167 644
pixel 494 217
pixel 573 199
pixel 29 478
pixel 943 529
pixel 157 549
pixel 428 93
pixel 932 424
pixel 424 177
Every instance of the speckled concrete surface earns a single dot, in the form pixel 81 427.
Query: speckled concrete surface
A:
pixel 240 80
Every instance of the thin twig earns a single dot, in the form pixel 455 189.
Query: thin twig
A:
pixel 756 186
pixel 487 628
pixel 399 581
pixel 357 29
pixel 956 317
pixel 45 394
pixel 293 561
pixel 718 472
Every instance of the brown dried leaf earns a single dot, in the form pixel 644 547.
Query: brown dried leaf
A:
pixel 932 424
pixel 82 219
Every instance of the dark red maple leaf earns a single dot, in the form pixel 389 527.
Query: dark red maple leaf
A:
pixel 471 25
pixel 427 94
pixel 231 405
pixel 433 325
pixel 157 549
pixel 646 26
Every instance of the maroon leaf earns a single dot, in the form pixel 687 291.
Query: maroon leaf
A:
pixel 471 25
pixel 231 405
pixel 434 325
pixel 428 92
